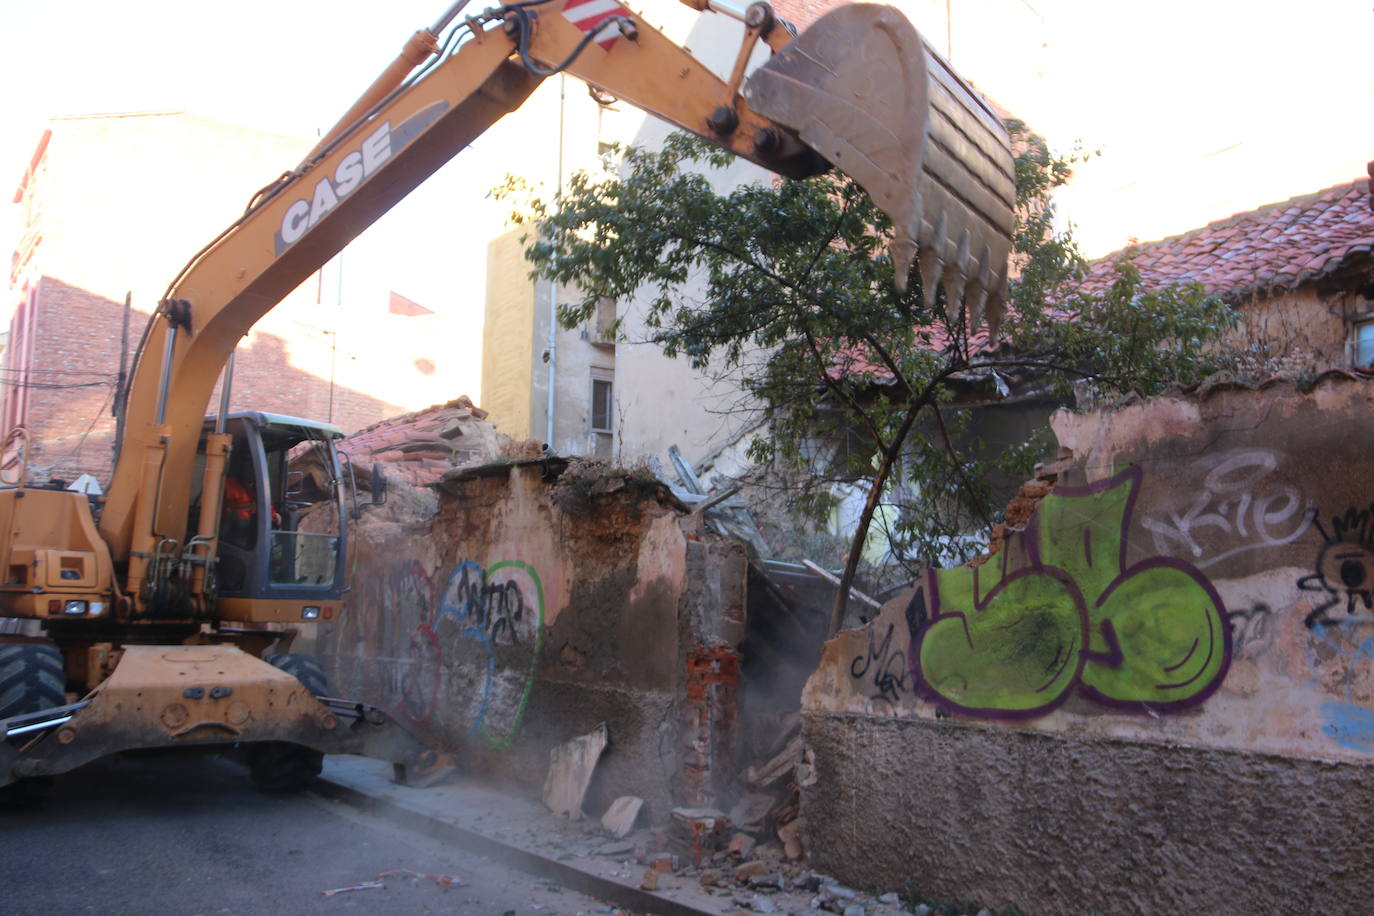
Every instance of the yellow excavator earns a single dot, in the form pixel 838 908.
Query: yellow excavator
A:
pixel 155 616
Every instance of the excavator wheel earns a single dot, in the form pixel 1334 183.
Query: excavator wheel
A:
pixel 31 679
pixel 304 668
pixel 279 766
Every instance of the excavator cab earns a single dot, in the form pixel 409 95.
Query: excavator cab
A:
pixel 281 532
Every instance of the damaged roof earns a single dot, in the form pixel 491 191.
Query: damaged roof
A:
pixel 420 447
pixel 1277 247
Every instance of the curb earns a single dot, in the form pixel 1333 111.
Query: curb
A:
pixel 613 892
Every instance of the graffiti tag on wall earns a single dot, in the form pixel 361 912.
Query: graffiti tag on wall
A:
pixel 475 647
pixel 1345 565
pixel 1150 635
pixel 1238 502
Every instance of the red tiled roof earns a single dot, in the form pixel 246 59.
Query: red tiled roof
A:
pixel 419 447
pixel 1278 246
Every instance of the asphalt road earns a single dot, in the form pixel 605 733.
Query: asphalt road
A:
pixel 189 835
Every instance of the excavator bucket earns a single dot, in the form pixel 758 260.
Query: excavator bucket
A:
pixel 862 89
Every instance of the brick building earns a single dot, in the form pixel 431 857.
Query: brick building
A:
pixel 115 204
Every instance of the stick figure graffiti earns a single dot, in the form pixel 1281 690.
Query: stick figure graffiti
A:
pixel 1345 564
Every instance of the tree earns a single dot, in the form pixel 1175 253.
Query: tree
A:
pixel 788 288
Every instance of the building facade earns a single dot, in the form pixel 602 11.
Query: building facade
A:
pixel 111 206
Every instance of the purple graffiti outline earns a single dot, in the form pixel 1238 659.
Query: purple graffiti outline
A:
pixel 1114 656
pixel 927 690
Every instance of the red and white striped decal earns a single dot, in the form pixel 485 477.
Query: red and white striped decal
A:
pixel 593 15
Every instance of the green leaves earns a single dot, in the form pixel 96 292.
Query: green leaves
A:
pixel 785 287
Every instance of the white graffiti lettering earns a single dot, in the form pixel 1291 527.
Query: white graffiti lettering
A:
pixel 1234 501
pixel 352 171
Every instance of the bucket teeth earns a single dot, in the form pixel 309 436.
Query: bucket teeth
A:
pixel 861 88
pixel 903 251
pixel 932 270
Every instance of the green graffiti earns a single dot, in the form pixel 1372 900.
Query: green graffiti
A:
pixel 502 742
pixel 1017 642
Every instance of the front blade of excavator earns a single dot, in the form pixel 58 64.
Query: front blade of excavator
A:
pixel 863 90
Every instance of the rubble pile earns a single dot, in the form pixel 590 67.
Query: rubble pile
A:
pixel 418 447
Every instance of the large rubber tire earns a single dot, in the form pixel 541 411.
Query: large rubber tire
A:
pixel 304 668
pixel 31 678
pixel 279 766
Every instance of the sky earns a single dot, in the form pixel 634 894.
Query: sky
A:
pixel 1194 109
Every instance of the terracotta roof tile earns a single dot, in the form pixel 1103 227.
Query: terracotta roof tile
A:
pixel 1280 245
pixel 411 445
pixel 1283 245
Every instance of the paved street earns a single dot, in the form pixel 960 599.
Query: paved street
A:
pixel 189 835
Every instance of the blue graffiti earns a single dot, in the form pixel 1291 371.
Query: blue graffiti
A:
pixel 1347 722
pixel 1350 726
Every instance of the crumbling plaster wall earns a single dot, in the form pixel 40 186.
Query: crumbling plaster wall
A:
pixel 1302 331
pixel 530 608
pixel 1160 692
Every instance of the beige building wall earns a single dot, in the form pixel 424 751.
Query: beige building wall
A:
pixel 565 130
pixel 661 401
pixel 508 338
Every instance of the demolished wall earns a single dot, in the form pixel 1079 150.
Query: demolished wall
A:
pixel 1160 693
pixel 540 600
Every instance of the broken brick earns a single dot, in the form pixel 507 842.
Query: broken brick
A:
pixel 698 831
pixel 750 869
pixel 790 834
pixel 741 845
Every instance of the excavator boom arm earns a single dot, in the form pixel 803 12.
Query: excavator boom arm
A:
pixel 835 97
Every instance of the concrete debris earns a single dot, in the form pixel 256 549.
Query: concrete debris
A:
pixel 750 869
pixel 806 770
pixel 893 897
pixel 624 848
pixel 763 905
pixel 771 881
pixel 620 817
pixel 710 877
pixel 769 851
pixel 750 813
pixel 741 845
pixel 418 447
pixel 788 727
pixel 570 772
pixel 839 892
pixel 853 910
pixel 698 832
pixel 781 766
pixel 790 835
